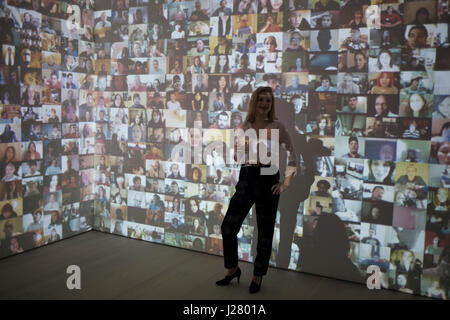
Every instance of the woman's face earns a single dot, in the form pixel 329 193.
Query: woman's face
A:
pixel 200 45
pixel 32 147
pixel 9 154
pixel 222 60
pixel 417 38
pixel 415 102
pixel 197 96
pixel 444 153
pixel 276 4
pixel 385 81
pixel 195 175
pixel 360 61
pixel 385 59
pixel 380 170
pixel 222 82
pixel 270 45
pixel 264 103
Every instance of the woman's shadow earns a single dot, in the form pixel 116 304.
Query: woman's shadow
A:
pixel 326 251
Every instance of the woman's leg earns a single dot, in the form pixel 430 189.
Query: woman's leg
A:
pixel 266 204
pixel 240 204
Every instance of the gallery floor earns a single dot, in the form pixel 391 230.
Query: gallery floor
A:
pixel 115 267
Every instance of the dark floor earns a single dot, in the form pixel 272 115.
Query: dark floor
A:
pixel 114 267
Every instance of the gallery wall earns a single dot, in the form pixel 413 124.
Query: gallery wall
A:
pixel 47 164
pixel 365 80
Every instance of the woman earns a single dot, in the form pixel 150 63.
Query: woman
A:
pixel 222 64
pixel 357 21
pixel 10 154
pixel 360 61
pixel 137 130
pixel 8 135
pixel 178 33
pixel 381 171
pixel 323 128
pixel 417 37
pixel 196 175
pixel 222 86
pixel 411 267
pixel 197 67
pixel 156 120
pixel 299 66
pixel 177 67
pixel 417 107
pixel 264 189
pixel 260 63
pixel 7 212
pixel 270 25
pixel 385 62
pixel 385 84
pixel 32 154
pixel 156 85
pixel 9 171
pixel 11 192
pixel 198 103
pixel 118 101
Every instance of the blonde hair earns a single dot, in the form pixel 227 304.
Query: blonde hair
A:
pixel 251 115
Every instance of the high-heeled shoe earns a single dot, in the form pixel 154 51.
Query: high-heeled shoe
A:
pixel 254 287
pixel 226 281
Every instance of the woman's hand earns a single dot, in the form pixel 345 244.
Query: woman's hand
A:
pixel 279 187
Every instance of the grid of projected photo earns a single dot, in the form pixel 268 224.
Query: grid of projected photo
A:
pixel 47 162
pixel 96 97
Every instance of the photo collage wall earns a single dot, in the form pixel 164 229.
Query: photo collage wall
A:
pixel 47 150
pixel 98 96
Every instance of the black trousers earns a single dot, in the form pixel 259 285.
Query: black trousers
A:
pixel 252 188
